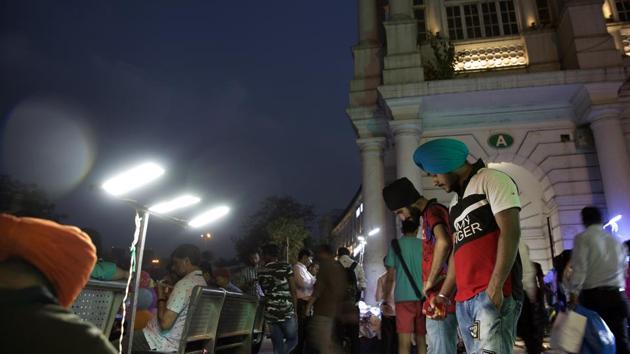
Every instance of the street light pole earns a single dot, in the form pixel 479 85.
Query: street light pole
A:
pixel 144 224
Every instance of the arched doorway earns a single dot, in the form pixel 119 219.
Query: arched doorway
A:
pixel 534 212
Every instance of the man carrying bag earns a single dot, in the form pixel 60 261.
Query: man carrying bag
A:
pixel 404 265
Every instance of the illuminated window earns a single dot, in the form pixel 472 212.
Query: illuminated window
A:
pixel 483 19
pixel 419 14
pixel 623 10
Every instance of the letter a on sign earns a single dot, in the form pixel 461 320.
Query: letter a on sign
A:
pixel 501 141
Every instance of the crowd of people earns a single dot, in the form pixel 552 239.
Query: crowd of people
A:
pixel 458 279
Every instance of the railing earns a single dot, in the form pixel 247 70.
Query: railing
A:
pixel 490 54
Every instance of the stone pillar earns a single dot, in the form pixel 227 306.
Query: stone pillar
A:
pixel 407 139
pixel 583 37
pixel 375 212
pixel 368 22
pixel 403 63
pixel 614 165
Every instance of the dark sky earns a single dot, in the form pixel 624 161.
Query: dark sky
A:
pixel 238 100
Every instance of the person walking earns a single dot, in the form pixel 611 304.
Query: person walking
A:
pixel 402 198
pixel 597 282
pixel 304 284
pixel 348 328
pixel 387 302
pixel 484 265
pixel 277 283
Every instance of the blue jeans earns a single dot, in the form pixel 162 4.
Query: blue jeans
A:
pixel 442 335
pixel 485 329
pixel 284 335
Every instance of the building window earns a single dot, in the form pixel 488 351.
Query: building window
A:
pixel 485 19
pixel 508 16
pixel 544 12
pixel 454 19
pixel 623 10
pixel 418 12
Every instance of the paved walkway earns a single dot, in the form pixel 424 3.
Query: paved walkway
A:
pixel 519 348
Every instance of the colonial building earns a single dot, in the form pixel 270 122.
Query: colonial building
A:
pixel 537 91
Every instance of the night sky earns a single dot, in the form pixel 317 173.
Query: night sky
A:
pixel 238 100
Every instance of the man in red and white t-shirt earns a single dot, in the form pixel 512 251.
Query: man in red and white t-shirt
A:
pixel 484 266
pixel 403 199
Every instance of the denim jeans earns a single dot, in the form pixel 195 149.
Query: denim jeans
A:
pixel 442 335
pixel 284 335
pixel 484 328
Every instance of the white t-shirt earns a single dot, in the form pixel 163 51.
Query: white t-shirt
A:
pixel 168 340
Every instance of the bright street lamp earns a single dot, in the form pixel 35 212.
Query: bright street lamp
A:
pixel 209 216
pixel 374 231
pixel 174 204
pixel 133 179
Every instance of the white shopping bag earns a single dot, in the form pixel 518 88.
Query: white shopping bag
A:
pixel 568 332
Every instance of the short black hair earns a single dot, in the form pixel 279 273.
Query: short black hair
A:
pixel 305 252
pixel 270 250
pixel 591 215
pixel 188 251
pixel 95 236
pixel 343 251
pixel 409 226
pixel 325 248
pixel 206 267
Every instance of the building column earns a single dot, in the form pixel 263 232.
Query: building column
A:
pixel 368 22
pixel 403 63
pixel 407 140
pixel 614 165
pixel 375 217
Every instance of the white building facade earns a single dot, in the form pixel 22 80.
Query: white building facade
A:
pixel 538 93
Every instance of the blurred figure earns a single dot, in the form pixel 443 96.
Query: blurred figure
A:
pixel 348 327
pixel 164 331
pixel 304 283
pixel 278 284
pixel 326 302
pixel 223 280
pixel 43 267
pixel 598 276
pixel 104 270
pixel 389 339
pixel 314 269
pixel 247 278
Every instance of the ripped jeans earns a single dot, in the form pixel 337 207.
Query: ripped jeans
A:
pixel 484 328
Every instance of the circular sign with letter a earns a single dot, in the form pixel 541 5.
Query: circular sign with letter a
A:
pixel 500 141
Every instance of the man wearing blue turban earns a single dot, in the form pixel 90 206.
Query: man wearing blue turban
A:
pixel 484 266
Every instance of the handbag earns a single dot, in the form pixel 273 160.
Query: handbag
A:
pixel 396 246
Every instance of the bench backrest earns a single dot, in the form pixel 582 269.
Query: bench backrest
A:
pixel 236 324
pixel 99 302
pixel 202 320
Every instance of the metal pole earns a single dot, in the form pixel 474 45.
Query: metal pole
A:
pixel 144 224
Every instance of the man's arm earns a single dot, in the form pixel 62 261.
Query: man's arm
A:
pixel 166 318
pixel 440 254
pixel 389 280
pixel 579 260
pixel 361 277
pixel 507 248
pixel 447 287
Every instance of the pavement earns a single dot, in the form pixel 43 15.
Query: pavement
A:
pixel 519 348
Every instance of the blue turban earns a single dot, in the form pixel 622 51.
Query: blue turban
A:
pixel 441 155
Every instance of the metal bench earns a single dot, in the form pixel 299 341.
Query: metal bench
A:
pixel 236 325
pixel 99 302
pixel 258 334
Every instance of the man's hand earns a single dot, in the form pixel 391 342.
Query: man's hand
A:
pixel 495 296
pixel 433 306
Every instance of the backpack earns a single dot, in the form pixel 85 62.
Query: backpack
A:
pixel 351 293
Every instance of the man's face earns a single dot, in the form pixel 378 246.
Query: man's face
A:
pixel 180 266
pixel 446 181
pixel 410 212
pixel 254 258
pixel 306 260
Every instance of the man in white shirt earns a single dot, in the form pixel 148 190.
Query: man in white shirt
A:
pixel 598 279
pixel 304 283
pixel 164 332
